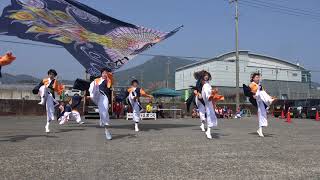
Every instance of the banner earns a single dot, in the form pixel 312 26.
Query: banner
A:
pixel 93 38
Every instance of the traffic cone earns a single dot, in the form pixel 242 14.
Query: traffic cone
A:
pixel 288 117
pixel 282 114
pixel 317 116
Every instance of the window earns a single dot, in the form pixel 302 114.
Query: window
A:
pixel 294 74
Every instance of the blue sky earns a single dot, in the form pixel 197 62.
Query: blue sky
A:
pixel 208 31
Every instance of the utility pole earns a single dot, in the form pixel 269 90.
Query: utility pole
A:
pixel 168 72
pixel 237 54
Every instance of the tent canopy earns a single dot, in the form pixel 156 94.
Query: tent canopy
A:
pixel 165 92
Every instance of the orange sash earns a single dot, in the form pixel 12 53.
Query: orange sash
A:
pixel 57 87
pixel 215 96
pixel 109 80
pixel 254 87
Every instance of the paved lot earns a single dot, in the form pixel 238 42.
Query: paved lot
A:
pixel 164 149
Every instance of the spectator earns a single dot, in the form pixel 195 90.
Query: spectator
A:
pixel 195 113
pixel 149 107
pixel 159 111
pixel 239 113
pixel 117 108
pixel 220 112
pixel 125 110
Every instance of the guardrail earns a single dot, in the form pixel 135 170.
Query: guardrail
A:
pixel 143 116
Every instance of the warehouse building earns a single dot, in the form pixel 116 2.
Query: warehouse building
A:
pixel 281 78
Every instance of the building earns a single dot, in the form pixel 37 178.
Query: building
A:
pixel 281 78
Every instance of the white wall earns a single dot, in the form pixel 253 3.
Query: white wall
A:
pixel 223 71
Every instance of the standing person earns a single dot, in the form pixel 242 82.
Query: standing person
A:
pixel 209 97
pixel 134 94
pixel 260 99
pixel 117 109
pixel 100 91
pixel 46 89
pixel 159 110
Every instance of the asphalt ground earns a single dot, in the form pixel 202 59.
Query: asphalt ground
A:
pixel 163 149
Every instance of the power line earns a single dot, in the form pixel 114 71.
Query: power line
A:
pixel 302 11
pixel 281 9
pixel 277 11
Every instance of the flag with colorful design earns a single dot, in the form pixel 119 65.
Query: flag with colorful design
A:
pixel 93 38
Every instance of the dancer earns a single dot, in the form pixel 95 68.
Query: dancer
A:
pixel 100 92
pixel 209 97
pixel 134 94
pixel 69 111
pixel 260 99
pixel 202 77
pixel 46 89
pixel 199 100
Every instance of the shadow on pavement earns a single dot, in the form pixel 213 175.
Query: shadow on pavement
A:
pixel 148 127
pixel 94 125
pixel 67 130
pixel 120 136
pixel 18 138
pixel 265 134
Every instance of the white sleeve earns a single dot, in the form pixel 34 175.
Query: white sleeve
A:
pixel 207 91
pixel 92 88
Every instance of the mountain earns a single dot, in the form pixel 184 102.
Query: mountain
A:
pixel 153 73
pixel 18 79
pixel 25 79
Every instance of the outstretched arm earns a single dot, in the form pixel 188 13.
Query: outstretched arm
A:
pixel 144 94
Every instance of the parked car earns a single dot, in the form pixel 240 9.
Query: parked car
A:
pixel 282 105
pixel 299 109
pixel 73 92
pixel 313 108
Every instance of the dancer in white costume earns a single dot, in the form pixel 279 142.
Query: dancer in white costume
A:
pixel 199 101
pixel 202 110
pixel 210 97
pixel 263 100
pixel 134 94
pixel 69 111
pixel 99 93
pixel 46 90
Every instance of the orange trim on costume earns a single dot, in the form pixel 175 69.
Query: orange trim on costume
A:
pixel 109 80
pixel 131 89
pixel 57 87
pixel 142 92
pixel 254 87
pixel 7 59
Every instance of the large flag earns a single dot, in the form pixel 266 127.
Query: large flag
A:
pixel 93 38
